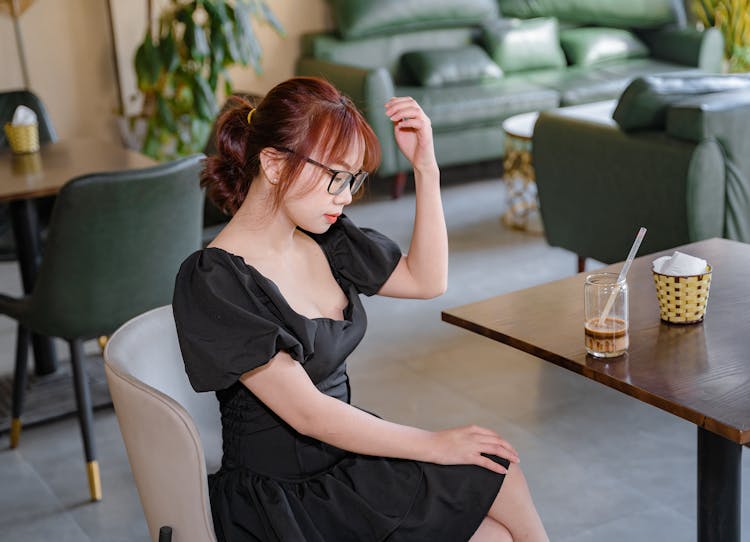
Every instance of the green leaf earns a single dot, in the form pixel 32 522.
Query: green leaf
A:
pixel 151 145
pixel 165 114
pixel 204 98
pixel 147 64
pixel 168 50
pixel 183 97
pixel 200 130
pixel 271 19
pixel 200 48
pixel 225 27
pixel 218 45
pixel 217 11
pixel 248 44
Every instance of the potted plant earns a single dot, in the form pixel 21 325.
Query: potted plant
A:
pixel 182 63
pixel 732 18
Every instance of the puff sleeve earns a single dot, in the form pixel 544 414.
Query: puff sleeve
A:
pixel 224 325
pixel 361 256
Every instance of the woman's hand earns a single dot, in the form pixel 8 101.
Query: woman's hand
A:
pixel 413 132
pixel 465 446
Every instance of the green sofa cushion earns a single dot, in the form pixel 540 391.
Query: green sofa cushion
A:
pixel 439 67
pixel 645 102
pixel 457 107
pixel 587 46
pixel 617 13
pixel 521 45
pixel 360 18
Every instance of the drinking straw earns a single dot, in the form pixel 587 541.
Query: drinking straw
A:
pixel 622 275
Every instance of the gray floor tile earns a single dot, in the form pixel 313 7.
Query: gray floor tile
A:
pixel 656 523
pixel 25 497
pixel 59 527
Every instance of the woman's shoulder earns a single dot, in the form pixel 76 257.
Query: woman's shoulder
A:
pixel 363 256
pixel 214 268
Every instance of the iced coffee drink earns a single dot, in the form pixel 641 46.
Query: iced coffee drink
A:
pixel 608 339
pixel 605 322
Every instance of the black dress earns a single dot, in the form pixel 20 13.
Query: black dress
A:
pixel 275 484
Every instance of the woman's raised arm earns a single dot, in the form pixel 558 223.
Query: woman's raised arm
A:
pixel 423 272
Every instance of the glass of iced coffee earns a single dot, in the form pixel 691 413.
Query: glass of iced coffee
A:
pixel 606 315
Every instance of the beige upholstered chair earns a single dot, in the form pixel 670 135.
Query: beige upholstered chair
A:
pixel 172 434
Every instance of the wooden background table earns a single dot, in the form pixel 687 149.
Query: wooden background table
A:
pixel 25 177
pixel 699 372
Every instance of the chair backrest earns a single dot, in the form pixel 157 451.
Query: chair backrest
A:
pixel 115 244
pixel 11 99
pixel 172 434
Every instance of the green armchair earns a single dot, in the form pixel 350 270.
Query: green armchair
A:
pixel 675 158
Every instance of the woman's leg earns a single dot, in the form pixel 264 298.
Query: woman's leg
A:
pixel 491 531
pixel 514 509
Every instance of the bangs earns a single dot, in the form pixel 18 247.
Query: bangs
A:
pixel 334 131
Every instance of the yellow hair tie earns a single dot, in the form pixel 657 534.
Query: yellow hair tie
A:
pixel 250 115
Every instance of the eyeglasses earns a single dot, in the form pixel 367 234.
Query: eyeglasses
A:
pixel 339 179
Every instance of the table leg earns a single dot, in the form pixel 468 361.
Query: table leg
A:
pixel 719 484
pixel 28 249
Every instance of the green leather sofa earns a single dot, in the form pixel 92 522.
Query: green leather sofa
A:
pixel 437 52
pixel 674 158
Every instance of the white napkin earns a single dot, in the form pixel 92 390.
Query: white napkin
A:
pixel 23 116
pixel 680 265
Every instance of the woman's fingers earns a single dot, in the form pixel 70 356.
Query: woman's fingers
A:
pixel 403 108
pixel 489 464
pixel 501 449
pixel 414 123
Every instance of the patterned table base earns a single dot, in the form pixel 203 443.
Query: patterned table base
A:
pixel 523 207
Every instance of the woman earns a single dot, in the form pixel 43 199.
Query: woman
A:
pixel 268 313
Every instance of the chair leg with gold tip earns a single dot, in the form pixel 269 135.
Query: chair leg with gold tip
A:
pixel 19 383
pixel 85 417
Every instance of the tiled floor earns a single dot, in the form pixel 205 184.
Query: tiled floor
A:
pixel 602 467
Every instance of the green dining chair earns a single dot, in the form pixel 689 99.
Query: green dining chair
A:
pixel 9 101
pixel 115 244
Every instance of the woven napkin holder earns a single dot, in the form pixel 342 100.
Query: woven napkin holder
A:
pixel 682 300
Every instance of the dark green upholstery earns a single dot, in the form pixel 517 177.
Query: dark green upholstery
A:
pixel 442 67
pixel 524 45
pixel 467 117
pixel 115 243
pixel 617 13
pixel 594 45
pixel 687 181
pixel 645 102
pixel 360 18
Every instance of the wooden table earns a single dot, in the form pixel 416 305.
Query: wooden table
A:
pixel 699 372
pixel 23 178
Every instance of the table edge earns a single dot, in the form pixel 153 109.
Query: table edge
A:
pixel 697 418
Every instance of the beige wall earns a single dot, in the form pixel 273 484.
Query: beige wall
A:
pixel 69 56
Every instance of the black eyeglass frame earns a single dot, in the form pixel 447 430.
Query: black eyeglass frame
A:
pixel 353 180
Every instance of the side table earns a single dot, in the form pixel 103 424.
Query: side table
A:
pixel 518 175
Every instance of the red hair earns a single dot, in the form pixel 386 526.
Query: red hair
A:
pixel 303 114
